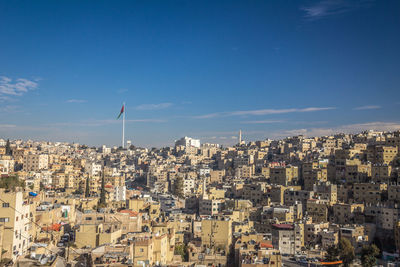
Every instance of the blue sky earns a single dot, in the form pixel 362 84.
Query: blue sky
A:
pixel 199 68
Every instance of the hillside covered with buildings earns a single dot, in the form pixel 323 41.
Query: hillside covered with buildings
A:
pixel 299 201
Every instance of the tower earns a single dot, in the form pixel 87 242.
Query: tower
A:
pixel 240 137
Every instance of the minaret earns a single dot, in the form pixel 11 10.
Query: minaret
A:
pixel 240 137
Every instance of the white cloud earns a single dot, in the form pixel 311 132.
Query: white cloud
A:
pixel 10 88
pixel 10 109
pixel 263 122
pixel 259 112
pixel 96 123
pixel 154 106
pixel 147 120
pixel 76 101
pixel 327 8
pixel 7 126
pixel 349 128
pixel 367 107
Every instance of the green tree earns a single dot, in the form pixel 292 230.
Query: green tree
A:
pixel 102 201
pixel 178 187
pixel 181 249
pixel 11 183
pixel 346 251
pixel 369 254
pixel 8 147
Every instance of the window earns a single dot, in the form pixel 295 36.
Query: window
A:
pixel 6 205
pixel 4 219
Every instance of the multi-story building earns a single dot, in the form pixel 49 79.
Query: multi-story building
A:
pixel 288 238
pixel 344 213
pixel 16 217
pixel 35 162
pixel 216 233
pixel 284 175
pixel 188 142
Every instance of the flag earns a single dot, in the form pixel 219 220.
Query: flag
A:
pixel 122 111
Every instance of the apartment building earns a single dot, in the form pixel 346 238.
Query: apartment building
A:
pixel 16 218
pixel 35 162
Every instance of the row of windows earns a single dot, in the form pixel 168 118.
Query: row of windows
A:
pixel 90 218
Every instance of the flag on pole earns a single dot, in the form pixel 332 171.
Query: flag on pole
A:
pixel 122 111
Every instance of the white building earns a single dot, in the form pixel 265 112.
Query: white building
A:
pixel 2 142
pixel 6 166
pixel 105 150
pixel 16 239
pixel 204 171
pixel 119 193
pixel 92 168
pixel 188 142
pixel 128 144
pixel 46 177
pixel 188 186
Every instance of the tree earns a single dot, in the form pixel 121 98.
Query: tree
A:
pixel 8 147
pixel 87 189
pixel 178 187
pixel 369 254
pixel 332 253
pixel 346 251
pixel 11 183
pixel 181 249
pixel 102 201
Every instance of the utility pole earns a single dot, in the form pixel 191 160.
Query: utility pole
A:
pixel 123 126
pixel 68 252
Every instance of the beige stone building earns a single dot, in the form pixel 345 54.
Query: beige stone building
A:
pixel 216 233
pixel 344 213
pixel 95 234
pixel 317 210
pixel 368 193
pixel 381 173
pixel 284 175
pixel 35 162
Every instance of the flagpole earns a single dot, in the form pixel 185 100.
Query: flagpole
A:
pixel 123 126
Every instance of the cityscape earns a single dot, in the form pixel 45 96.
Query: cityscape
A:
pixel 192 133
